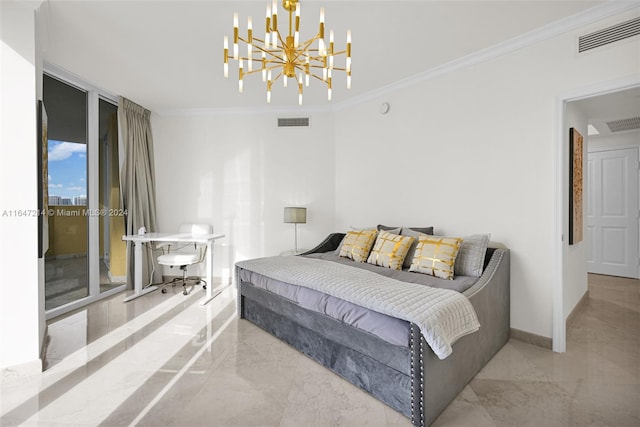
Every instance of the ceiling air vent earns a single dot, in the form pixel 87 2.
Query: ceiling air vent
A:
pixel 609 35
pixel 285 122
pixel 624 124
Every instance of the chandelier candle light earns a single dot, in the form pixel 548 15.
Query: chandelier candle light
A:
pixel 287 57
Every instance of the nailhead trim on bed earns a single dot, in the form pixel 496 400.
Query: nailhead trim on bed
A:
pixel 413 357
pixel 422 341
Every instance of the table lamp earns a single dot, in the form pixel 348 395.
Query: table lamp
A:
pixel 295 216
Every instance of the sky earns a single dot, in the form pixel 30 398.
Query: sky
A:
pixel 67 169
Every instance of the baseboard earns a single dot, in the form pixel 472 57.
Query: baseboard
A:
pixel 582 303
pixel 530 338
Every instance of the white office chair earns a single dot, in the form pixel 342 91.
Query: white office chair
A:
pixel 183 255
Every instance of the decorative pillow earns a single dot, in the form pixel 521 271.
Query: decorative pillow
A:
pixel 424 230
pixel 390 250
pixel 470 259
pixel 436 256
pixel 352 228
pixel 412 249
pixel 393 230
pixel 357 244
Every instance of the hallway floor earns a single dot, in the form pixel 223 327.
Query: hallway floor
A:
pixel 165 360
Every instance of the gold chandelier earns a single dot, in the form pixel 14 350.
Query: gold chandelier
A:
pixel 287 57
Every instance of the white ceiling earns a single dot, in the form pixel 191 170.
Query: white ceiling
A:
pixel 613 106
pixel 167 55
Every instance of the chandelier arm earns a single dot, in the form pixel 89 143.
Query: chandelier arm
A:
pixel 315 75
pixel 305 45
pixel 260 48
pixel 282 41
pixel 277 61
pixel 269 52
pixel 259 70
pixel 318 77
pixel 303 51
pixel 301 67
pixel 277 77
pixel 322 67
pixel 318 58
pixel 267 68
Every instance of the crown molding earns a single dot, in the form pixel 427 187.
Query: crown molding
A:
pixel 543 33
pixel 532 37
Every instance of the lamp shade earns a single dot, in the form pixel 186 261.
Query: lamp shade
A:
pixel 295 215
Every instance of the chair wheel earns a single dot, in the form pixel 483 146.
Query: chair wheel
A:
pixel 164 291
pixel 185 293
pixel 204 286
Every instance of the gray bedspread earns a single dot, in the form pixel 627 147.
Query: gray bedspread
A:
pixel 390 329
pixel 442 315
pixel 458 284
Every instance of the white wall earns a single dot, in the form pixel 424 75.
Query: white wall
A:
pixel 473 151
pixel 238 172
pixel 21 314
pixel 575 256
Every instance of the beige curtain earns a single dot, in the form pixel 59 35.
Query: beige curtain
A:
pixel 137 180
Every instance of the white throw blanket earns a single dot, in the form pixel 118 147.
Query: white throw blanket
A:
pixel 442 315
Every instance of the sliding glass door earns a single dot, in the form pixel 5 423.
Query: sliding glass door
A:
pixel 66 260
pixel 85 259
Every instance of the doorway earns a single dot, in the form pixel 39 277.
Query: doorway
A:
pixel 570 261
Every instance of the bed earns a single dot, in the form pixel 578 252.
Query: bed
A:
pixel 392 356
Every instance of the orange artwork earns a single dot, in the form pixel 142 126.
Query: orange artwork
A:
pixel 576 216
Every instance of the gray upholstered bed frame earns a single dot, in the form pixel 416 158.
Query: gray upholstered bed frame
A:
pixel 412 379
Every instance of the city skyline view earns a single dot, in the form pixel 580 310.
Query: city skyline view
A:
pixel 67 170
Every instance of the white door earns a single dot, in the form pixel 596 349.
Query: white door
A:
pixel 612 212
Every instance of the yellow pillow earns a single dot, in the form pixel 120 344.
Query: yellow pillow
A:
pixel 390 250
pixel 357 244
pixel 436 256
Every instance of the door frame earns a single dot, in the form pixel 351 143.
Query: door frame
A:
pixel 561 209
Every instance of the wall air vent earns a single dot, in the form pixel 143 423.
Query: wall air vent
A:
pixel 284 122
pixel 624 124
pixel 608 35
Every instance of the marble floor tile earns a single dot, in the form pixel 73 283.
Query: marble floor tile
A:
pixel 165 360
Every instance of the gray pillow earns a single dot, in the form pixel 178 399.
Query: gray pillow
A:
pixel 392 230
pixel 470 259
pixel 424 230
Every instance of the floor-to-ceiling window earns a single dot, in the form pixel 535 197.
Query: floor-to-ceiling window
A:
pixel 85 259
